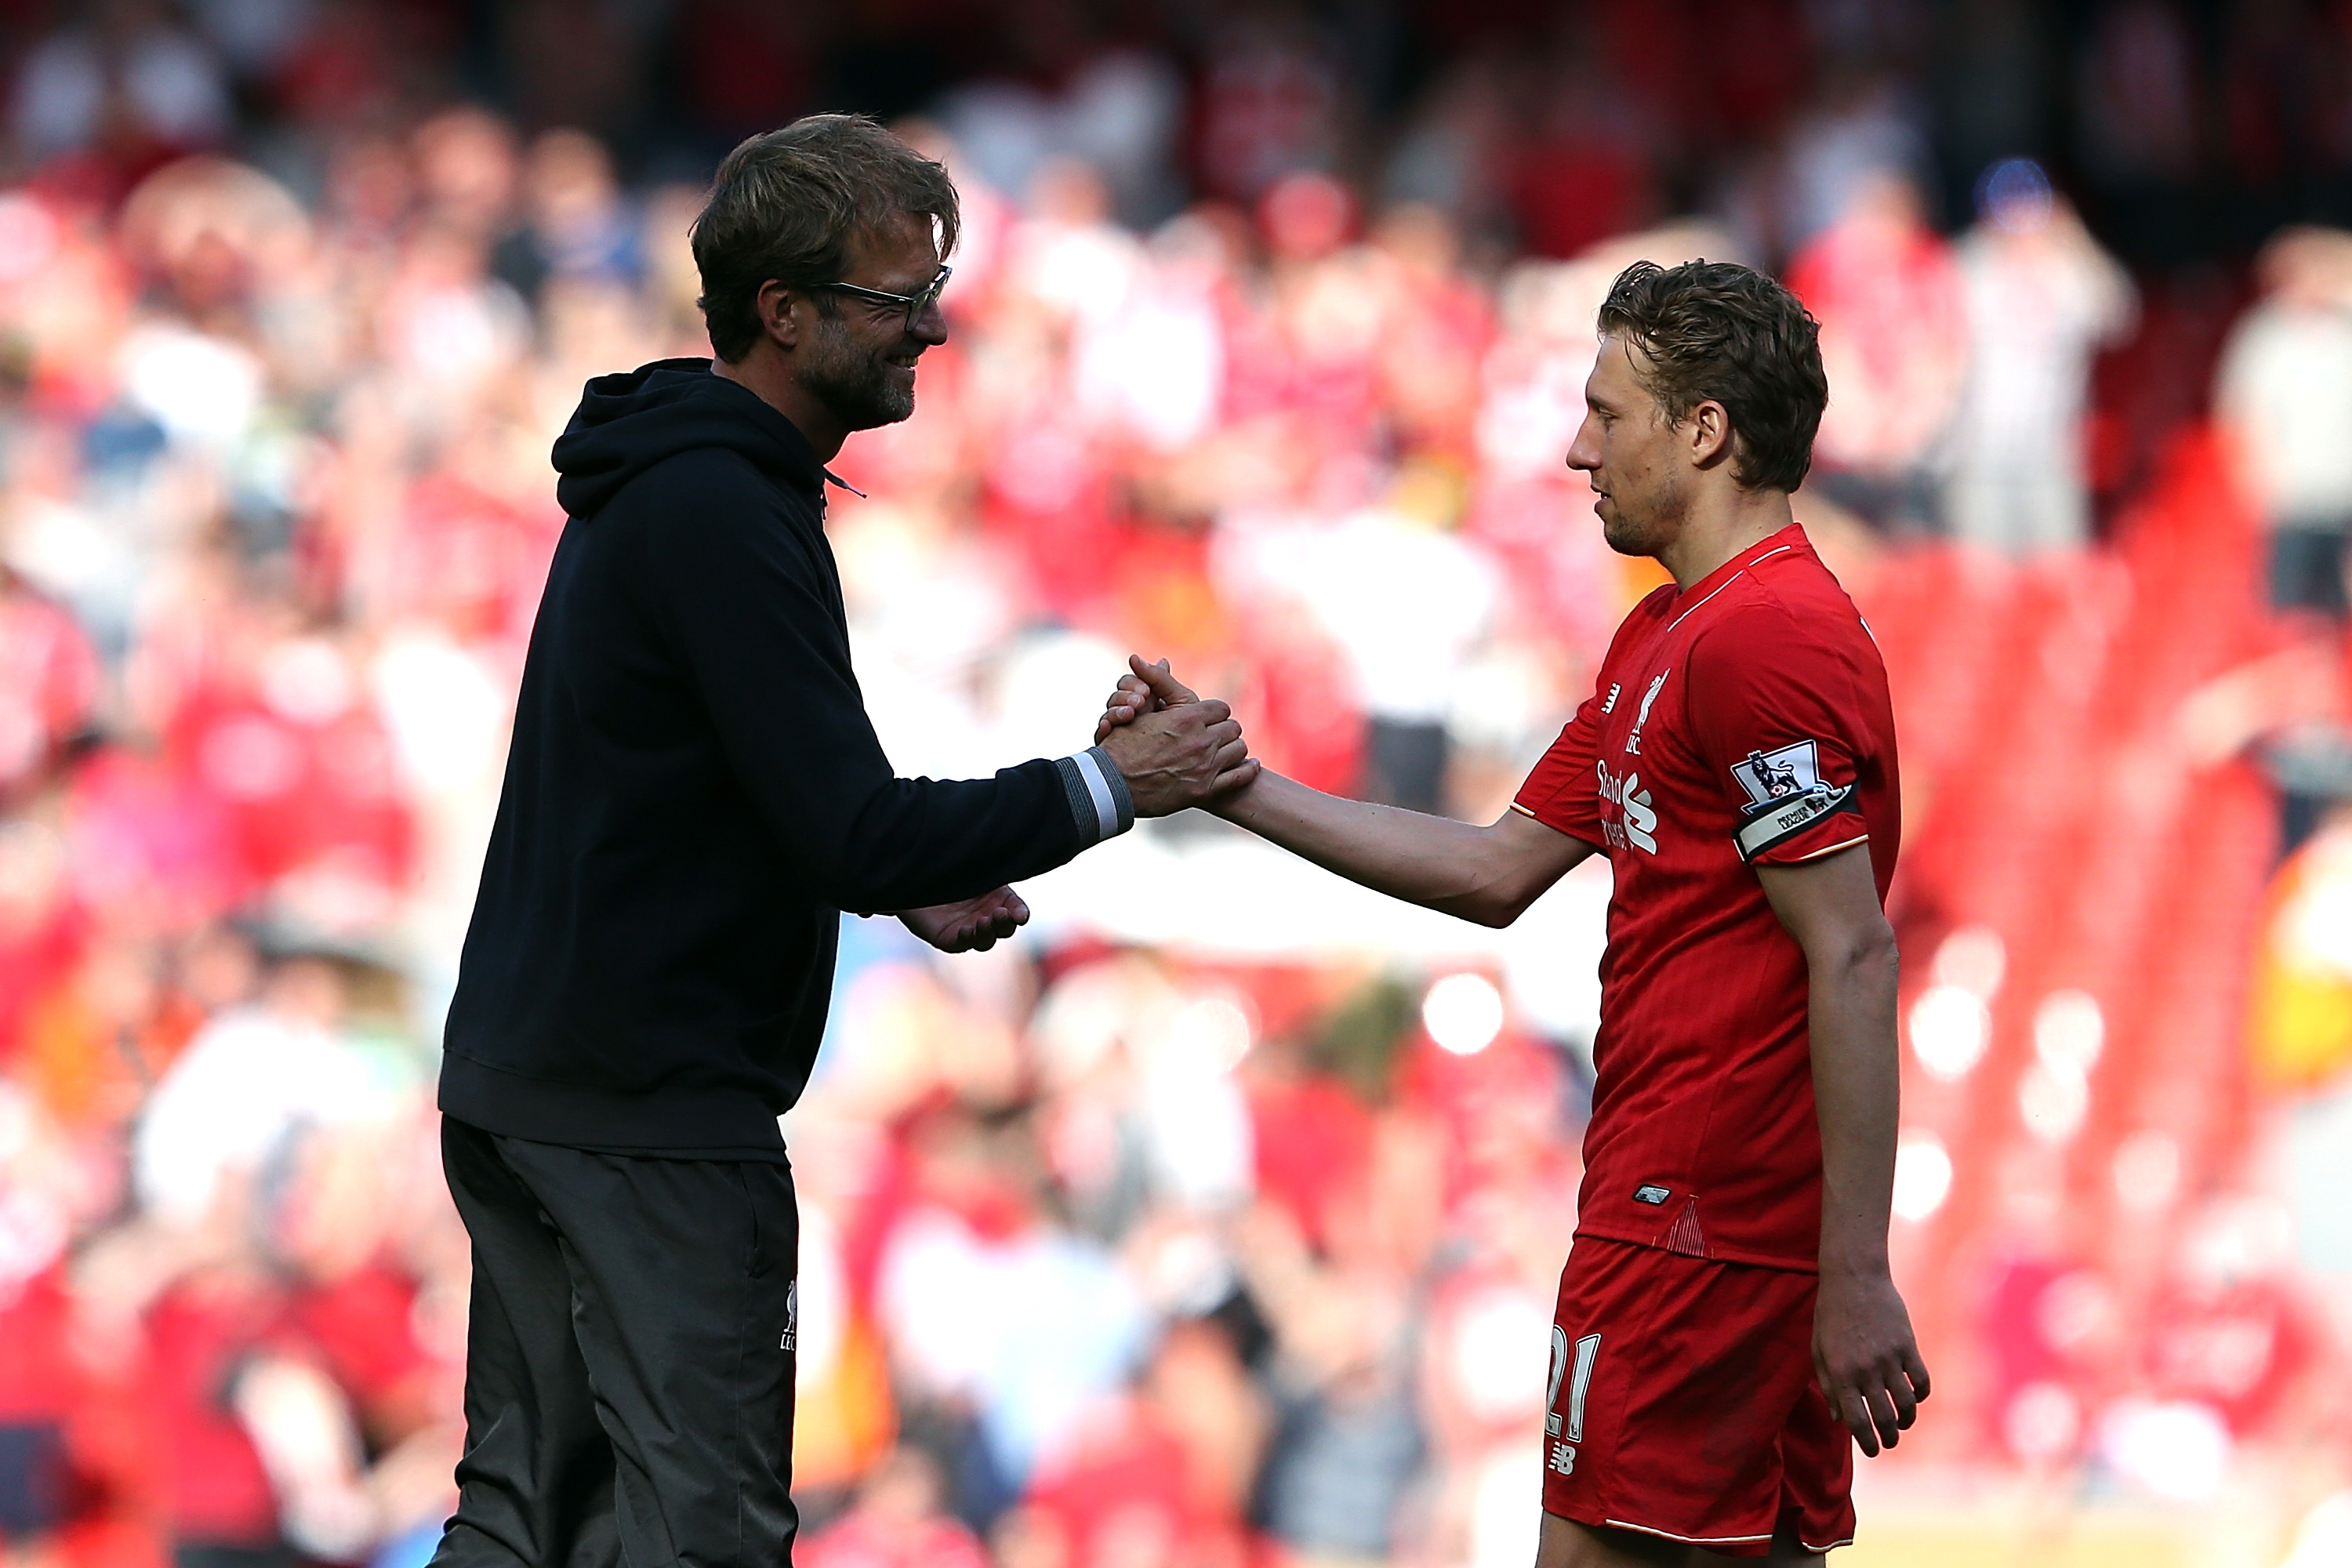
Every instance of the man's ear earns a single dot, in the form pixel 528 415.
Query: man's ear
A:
pixel 1708 428
pixel 777 317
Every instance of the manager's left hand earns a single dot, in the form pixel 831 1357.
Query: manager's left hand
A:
pixel 975 924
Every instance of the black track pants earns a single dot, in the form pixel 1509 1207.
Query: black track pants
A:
pixel 628 1359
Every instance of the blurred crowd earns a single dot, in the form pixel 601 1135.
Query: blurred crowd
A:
pixel 1270 327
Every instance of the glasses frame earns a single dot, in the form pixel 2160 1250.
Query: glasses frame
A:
pixel 914 304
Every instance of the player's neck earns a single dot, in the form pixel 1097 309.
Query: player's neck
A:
pixel 1719 528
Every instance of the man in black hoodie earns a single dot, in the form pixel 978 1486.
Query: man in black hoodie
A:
pixel 693 797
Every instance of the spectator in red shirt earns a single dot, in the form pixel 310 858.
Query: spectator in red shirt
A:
pixel 48 683
pixel 1894 335
pixel 895 1523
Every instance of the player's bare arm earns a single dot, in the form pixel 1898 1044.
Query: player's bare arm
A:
pixel 1489 874
pixel 1863 1350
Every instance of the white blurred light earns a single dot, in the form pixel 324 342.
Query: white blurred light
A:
pixel 1186 1271
pixel 1045 683
pixel 2176 1450
pixel 1498 1354
pixel 2148 1171
pixel 1194 1121
pixel 446 714
pixel 1462 1013
pixel 2076 1311
pixel 1505 1512
pixel 1213 1030
pixel 2069 1031
pixel 820 1299
pixel 306 679
pixel 17 1121
pixel 2053 1101
pixel 2324 1540
pixel 1923 1176
pixel 2044 1423
pixel 1973 958
pixel 202 390
pixel 2237 1238
pixel 1949 1031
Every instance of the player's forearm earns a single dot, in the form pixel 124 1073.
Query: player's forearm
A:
pixel 1856 1094
pixel 1432 861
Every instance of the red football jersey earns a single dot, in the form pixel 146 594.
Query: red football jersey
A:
pixel 1745 721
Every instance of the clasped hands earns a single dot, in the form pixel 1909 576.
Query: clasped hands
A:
pixel 1174 750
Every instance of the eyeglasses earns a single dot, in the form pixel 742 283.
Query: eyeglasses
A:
pixel 916 304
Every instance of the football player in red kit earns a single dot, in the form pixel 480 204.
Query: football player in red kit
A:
pixel 1727 1317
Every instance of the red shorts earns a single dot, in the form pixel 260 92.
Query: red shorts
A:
pixel 1684 1403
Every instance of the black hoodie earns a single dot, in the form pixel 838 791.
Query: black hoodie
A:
pixel 694 794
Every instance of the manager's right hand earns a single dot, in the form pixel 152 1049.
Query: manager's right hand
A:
pixel 1186 753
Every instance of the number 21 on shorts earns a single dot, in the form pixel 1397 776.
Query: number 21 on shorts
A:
pixel 1567 1425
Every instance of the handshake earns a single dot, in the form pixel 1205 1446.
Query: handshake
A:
pixel 1173 749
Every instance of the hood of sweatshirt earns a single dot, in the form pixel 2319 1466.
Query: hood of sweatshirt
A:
pixel 628 421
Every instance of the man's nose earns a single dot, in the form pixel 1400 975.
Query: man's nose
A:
pixel 929 327
pixel 1583 451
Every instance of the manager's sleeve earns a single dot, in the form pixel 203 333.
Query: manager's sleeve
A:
pixel 744 597
pixel 1776 717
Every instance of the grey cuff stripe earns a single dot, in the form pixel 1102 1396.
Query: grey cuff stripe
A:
pixel 1081 799
pixel 1777 823
pixel 1114 810
pixel 1122 802
pixel 1097 795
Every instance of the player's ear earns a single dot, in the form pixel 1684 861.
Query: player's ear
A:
pixel 1708 431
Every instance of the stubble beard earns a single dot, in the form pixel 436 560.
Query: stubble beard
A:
pixel 1621 534
pixel 1648 528
pixel 854 382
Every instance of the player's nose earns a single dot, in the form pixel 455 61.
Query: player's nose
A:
pixel 1584 451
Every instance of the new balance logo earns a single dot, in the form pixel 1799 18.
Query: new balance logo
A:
pixel 1563 1459
pixel 1609 703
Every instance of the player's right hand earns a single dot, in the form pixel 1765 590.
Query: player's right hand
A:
pixel 1132 697
pixel 1174 749
pixel 1867 1357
